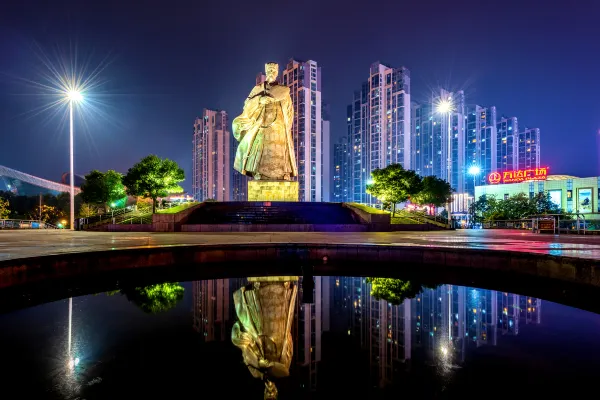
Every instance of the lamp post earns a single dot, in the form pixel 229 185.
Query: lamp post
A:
pixel 475 171
pixel 73 96
pixel 445 107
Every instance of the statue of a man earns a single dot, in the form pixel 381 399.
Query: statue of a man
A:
pixel 264 130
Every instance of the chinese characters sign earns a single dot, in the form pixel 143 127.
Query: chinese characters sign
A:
pixel 520 175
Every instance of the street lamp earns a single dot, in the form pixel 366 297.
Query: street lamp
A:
pixel 446 107
pixel 475 171
pixel 73 96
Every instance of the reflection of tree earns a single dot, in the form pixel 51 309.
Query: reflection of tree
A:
pixel 155 298
pixel 395 291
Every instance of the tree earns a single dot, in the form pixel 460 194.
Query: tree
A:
pixel 87 210
pixel 394 184
pixel 4 210
pixel 395 291
pixel 103 187
pixel 154 177
pixel 435 192
pixel 48 213
pixel 155 298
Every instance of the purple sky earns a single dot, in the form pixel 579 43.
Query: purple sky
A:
pixel 533 59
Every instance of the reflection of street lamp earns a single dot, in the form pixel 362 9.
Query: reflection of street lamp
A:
pixel 73 96
pixel 475 171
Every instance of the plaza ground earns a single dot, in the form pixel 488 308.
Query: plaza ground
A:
pixel 31 243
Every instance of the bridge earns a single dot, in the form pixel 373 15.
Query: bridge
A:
pixel 11 180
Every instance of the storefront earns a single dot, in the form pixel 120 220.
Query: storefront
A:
pixel 571 194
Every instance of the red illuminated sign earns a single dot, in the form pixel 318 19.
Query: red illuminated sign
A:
pixel 519 175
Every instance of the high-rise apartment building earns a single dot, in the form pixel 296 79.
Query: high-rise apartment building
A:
pixel 528 148
pixel 438 136
pixel 340 170
pixel 481 142
pixel 239 182
pixel 304 80
pixel 326 184
pixel 379 125
pixel 211 157
pixel 506 143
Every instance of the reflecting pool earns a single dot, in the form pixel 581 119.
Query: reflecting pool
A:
pixel 293 337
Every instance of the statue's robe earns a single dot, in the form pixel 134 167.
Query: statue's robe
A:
pixel 264 133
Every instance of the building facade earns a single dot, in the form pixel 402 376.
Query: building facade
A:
pixel 378 126
pixel 304 80
pixel 211 157
pixel 480 146
pixel 528 149
pixel 340 170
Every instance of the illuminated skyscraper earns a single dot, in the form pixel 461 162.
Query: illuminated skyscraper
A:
pixel 438 136
pixel 304 80
pixel 528 148
pixel 481 143
pixel 507 144
pixel 211 157
pixel 341 165
pixel 379 126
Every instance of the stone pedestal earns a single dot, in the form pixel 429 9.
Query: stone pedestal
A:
pixel 272 191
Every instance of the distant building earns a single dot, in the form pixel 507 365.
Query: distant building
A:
pixel 326 184
pixel 340 171
pixel 528 149
pixel 481 142
pixel 211 157
pixel 379 126
pixel 304 80
pixel 506 144
pixel 439 138
pixel 239 182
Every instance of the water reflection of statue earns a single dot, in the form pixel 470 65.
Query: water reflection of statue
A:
pixel 265 310
pixel 264 130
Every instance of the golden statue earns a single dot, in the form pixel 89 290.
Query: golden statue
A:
pixel 265 310
pixel 264 130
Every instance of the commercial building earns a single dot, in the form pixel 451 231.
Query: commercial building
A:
pixel 211 157
pixel 304 80
pixel 326 183
pixel 571 194
pixel 379 126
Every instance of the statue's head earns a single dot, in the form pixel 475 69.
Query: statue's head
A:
pixel 271 71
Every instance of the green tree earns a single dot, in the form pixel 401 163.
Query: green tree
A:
pixel 4 210
pixel 103 187
pixel 87 210
pixel 154 177
pixel 155 298
pixel 394 291
pixel 435 192
pixel 543 204
pixel 394 184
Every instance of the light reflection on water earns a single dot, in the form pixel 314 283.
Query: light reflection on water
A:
pixel 78 344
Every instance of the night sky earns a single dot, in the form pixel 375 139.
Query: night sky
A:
pixel 166 61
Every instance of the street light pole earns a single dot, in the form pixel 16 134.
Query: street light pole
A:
pixel 72 176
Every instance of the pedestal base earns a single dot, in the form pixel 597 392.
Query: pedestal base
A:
pixel 272 191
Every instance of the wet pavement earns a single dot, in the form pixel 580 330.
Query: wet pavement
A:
pixel 25 243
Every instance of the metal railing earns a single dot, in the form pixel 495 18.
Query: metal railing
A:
pixel 24 224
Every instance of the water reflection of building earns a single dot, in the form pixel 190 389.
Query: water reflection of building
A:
pixel 312 319
pixel 213 309
pixel 439 324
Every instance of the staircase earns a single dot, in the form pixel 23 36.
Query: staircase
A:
pixel 267 213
